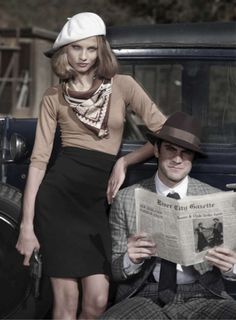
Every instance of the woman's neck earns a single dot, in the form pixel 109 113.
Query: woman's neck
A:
pixel 82 82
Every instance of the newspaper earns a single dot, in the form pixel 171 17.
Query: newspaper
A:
pixel 185 229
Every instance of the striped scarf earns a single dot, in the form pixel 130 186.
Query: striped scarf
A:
pixel 92 107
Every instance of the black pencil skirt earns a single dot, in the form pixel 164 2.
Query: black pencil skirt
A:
pixel 71 218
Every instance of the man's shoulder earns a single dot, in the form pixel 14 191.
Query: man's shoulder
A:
pixel 197 187
pixel 148 184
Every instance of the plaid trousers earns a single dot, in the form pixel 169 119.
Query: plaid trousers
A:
pixel 192 301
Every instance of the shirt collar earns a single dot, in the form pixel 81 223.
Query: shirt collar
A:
pixel 180 188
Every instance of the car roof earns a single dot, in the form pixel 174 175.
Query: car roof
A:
pixel 177 35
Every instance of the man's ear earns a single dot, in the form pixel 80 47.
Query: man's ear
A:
pixel 156 150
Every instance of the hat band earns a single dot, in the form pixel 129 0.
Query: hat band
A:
pixel 180 134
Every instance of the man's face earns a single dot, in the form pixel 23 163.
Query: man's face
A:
pixel 174 163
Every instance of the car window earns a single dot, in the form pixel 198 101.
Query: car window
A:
pixel 206 89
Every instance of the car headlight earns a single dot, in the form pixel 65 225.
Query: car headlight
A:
pixel 17 147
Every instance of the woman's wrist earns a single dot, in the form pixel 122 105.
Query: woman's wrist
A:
pixel 124 161
pixel 27 226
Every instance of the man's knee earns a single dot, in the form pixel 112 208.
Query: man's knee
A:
pixel 134 308
pixel 213 309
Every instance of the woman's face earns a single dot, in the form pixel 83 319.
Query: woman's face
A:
pixel 82 55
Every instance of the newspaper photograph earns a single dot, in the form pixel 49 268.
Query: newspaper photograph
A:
pixel 185 229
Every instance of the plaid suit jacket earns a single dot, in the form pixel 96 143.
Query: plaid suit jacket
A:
pixel 123 224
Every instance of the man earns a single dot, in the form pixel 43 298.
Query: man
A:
pixel 217 232
pixel 197 291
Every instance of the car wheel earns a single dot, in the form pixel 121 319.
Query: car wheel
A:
pixel 17 300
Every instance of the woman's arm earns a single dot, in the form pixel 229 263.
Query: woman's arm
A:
pixel 117 176
pixel 142 105
pixel 27 240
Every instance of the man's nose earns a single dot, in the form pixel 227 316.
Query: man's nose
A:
pixel 178 158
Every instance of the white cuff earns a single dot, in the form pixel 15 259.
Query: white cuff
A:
pixel 129 267
pixel 231 274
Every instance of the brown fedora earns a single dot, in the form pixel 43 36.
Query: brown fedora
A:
pixel 180 129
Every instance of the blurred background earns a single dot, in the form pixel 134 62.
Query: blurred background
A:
pixel 51 14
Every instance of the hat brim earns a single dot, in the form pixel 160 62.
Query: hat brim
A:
pixel 49 53
pixel 155 137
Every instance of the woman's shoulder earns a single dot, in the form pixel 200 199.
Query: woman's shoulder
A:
pixel 52 95
pixel 52 98
pixel 53 90
pixel 125 83
pixel 123 79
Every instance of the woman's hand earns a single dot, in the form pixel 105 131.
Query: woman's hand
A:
pixel 119 170
pixel 116 179
pixel 27 240
pixel 222 258
pixel 26 243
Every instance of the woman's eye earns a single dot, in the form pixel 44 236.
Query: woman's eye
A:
pixel 76 47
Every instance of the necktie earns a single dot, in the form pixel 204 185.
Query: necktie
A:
pixel 167 279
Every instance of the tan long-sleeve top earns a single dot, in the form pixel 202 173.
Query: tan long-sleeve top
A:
pixel 55 110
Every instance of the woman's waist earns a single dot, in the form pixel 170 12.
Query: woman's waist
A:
pixel 86 153
pixel 105 145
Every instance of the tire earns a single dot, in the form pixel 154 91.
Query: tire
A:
pixel 17 300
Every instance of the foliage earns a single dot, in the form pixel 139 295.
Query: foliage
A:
pixel 51 14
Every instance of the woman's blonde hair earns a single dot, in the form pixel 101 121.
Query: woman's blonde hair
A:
pixel 106 65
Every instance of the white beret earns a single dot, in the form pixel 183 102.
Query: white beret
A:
pixel 80 26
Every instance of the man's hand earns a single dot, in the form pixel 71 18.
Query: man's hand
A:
pixel 140 247
pixel 222 258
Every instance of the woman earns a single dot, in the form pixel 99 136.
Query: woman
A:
pixel 64 212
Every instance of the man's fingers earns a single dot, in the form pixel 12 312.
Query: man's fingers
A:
pixel 141 235
pixel 141 244
pixel 221 254
pixel 146 243
pixel 221 258
pixel 139 256
pixel 224 266
pixel 226 252
pixel 141 252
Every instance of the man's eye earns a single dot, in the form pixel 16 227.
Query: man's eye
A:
pixel 188 152
pixel 170 149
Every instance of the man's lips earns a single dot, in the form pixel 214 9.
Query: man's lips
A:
pixel 175 168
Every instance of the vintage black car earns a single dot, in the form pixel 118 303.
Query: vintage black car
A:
pixel 188 67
